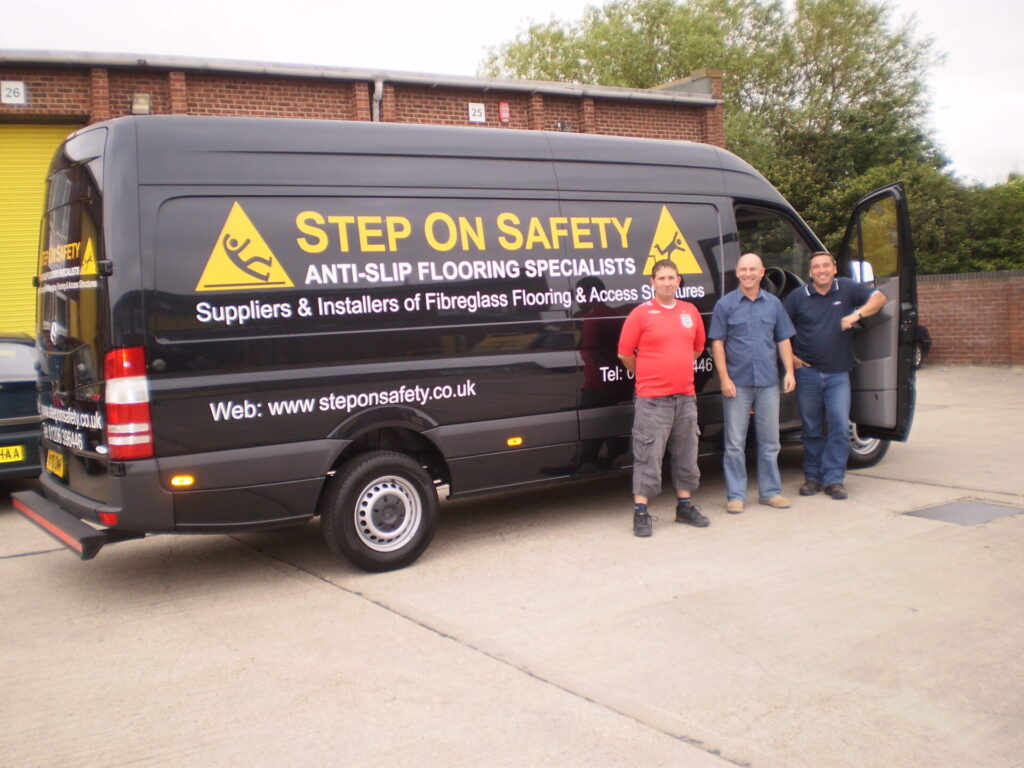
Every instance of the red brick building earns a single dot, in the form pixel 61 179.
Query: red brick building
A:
pixel 47 95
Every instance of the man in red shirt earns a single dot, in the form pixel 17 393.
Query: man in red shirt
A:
pixel 659 342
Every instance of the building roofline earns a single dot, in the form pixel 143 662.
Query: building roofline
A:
pixel 183 63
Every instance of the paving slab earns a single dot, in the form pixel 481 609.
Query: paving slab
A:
pixel 537 630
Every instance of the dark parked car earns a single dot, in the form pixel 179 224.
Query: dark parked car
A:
pixel 19 417
pixel 922 345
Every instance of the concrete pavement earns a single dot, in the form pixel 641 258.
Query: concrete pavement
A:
pixel 537 630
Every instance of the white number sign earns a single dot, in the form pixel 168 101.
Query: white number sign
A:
pixel 12 92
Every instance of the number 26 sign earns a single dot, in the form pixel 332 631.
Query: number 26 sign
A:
pixel 12 92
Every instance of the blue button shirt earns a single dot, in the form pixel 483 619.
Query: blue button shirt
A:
pixel 751 330
pixel 820 340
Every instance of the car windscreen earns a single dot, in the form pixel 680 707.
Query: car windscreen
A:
pixel 17 361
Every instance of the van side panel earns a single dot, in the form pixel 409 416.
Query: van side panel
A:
pixel 369 302
pixel 305 292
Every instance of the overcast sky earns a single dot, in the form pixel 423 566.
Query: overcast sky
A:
pixel 978 99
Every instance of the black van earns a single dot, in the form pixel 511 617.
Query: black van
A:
pixel 251 322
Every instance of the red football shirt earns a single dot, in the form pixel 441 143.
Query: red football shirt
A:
pixel 665 341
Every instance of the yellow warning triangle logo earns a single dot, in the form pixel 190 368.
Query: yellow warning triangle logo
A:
pixel 241 259
pixel 669 243
pixel 88 265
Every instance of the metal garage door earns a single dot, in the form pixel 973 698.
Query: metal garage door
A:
pixel 25 152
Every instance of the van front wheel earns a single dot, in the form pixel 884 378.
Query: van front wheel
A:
pixel 865 451
pixel 379 511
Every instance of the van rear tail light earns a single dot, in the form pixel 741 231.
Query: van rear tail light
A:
pixel 129 428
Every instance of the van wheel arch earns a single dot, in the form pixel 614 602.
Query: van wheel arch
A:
pixel 400 440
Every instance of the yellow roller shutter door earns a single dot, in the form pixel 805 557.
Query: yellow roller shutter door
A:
pixel 25 153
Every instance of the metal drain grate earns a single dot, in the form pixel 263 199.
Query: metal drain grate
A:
pixel 966 512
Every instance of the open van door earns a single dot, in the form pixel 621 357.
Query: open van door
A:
pixel 878 250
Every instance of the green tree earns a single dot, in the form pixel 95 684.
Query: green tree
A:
pixel 939 211
pixel 825 97
pixel 995 227
pixel 644 43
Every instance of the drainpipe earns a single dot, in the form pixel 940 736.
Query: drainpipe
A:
pixel 378 95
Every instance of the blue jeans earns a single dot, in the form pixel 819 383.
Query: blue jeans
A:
pixel 824 400
pixel 736 413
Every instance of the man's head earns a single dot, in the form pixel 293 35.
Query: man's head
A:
pixel 822 270
pixel 749 271
pixel 665 280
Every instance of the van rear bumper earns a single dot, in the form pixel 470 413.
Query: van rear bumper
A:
pixel 74 534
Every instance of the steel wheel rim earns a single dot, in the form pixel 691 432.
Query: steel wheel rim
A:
pixel 862 445
pixel 388 513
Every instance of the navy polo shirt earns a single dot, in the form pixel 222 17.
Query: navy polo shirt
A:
pixel 820 339
pixel 752 330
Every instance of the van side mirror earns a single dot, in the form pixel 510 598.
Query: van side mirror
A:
pixel 862 272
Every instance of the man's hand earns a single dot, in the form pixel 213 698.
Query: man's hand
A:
pixel 788 382
pixel 728 388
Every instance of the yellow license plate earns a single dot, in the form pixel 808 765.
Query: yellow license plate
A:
pixel 12 453
pixel 55 463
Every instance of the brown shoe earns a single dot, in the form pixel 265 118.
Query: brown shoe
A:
pixel 734 507
pixel 837 491
pixel 810 488
pixel 779 502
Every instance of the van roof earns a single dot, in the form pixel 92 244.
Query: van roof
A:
pixel 243 150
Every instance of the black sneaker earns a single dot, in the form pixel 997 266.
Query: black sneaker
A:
pixel 837 491
pixel 810 488
pixel 688 512
pixel 642 525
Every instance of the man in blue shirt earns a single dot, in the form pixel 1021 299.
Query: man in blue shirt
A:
pixel 750 331
pixel 823 312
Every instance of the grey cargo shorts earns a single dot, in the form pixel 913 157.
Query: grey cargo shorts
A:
pixel 660 422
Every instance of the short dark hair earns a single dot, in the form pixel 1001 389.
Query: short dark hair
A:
pixel 816 254
pixel 664 264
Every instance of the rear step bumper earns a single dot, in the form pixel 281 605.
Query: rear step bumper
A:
pixel 77 536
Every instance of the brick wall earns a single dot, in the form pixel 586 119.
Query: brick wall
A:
pixel 652 121
pixel 450 106
pixel 975 318
pixel 123 84
pixel 64 94
pixel 80 92
pixel 270 97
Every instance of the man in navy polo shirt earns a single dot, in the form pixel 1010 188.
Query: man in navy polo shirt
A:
pixel 823 312
pixel 749 333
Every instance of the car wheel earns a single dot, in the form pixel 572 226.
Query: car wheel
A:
pixel 918 356
pixel 865 451
pixel 379 511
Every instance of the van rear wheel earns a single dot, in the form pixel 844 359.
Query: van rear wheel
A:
pixel 379 511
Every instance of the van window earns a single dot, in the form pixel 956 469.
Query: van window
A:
pixel 877 235
pixel 774 238
pixel 71 294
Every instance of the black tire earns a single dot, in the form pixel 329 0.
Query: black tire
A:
pixel 379 511
pixel 918 356
pixel 865 451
